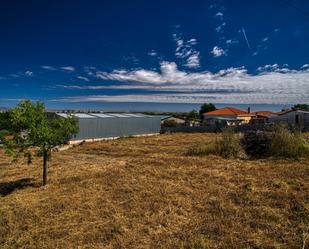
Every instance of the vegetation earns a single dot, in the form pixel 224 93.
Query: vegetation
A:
pixel 286 144
pixel 280 143
pixel 32 130
pixel 4 121
pixel 193 115
pixel 170 123
pixel 145 193
pixel 228 146
pixel 301 107
pixel 207 107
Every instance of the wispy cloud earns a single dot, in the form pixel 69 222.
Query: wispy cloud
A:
pixel 305 66
pixel 272 85
pixel 51 68
pixel 231 41
pixel 185 50
pixel 219 15
pixel 68 68
pixel 217 52
pixel 265 39
pixel 82 78
pixel 29 73
pixel 152 53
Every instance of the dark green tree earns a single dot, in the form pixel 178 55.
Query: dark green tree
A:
pixel 34 130
pixel 193 115
pixel 301 107
pixel 207 107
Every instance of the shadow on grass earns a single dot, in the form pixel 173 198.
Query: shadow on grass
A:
pixel 7 188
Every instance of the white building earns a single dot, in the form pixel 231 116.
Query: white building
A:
pixel 296 118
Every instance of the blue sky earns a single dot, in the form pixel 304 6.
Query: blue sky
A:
pixel 96 53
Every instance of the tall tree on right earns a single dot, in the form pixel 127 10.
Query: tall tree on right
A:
pixel 301 107
pixel 207 107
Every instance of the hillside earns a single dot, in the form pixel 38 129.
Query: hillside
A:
pixel 146 193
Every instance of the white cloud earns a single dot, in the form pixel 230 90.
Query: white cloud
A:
pixel 49 68
pixel 82 78
pixel 68 68
pixel 185 50
pixel 231 41
pixel 220 27
pixel 275 68
pixel 29 73
pixel 193 60
pixel 219 14
pixel 152 53
pixel 276 30
pixel 217 52
pixel 276 85
pixel 305 66
pixel 265 39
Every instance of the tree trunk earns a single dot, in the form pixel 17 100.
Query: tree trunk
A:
pixel 44 167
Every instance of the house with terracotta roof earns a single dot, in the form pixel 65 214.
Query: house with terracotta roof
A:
pixel 227 116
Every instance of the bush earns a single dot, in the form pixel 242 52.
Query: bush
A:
pixel 286 144
pixel 256 143
pixel 280 142
pixel 227 147
pixel 170 123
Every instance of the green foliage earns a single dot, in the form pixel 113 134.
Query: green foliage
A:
pixel 207 107
pixel 227 147
pixel 170 123
pixel 280 142
pixel 301 107
pixel 4 120
pixel 287 144
pixel 193 115
pixel 33 129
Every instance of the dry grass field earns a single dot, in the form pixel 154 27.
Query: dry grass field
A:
pixel 146 193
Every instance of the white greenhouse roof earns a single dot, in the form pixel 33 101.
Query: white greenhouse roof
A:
pixel 103 115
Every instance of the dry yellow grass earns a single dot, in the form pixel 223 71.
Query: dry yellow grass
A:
pixel 146 193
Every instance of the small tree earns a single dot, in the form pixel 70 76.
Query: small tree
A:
pixel 301 107
pixel 34 130
pixel 193 115
pixel 207 107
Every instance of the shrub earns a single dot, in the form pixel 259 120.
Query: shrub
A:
pixel 286 144
pixel 170 123
pixel 280 143
pixel 256 143
pixel 227 147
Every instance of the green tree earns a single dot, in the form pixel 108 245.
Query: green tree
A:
pixel 207 107
pixel 301 107
pixel 193 115
pixel 4 120
pixel 34 130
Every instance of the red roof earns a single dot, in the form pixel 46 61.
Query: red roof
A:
pixel 227 111
pixel 263 113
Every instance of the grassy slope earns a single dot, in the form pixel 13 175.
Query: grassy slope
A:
pixel 145 193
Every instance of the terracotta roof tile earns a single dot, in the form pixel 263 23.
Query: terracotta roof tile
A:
pixel 228 111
